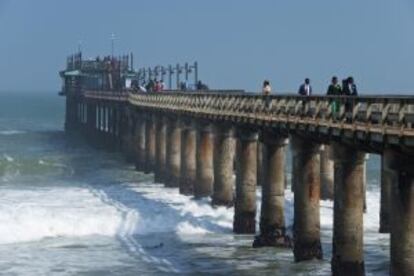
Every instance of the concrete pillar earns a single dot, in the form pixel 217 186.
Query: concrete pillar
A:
pixel 327 173
pixel 400 171
pixel 260 168
pixel 160 149
pixel 364 181
pixel 204 155
pixel 91 122
pixel 347 253
pixel 272 218
pixel 246 181
pixel 150 144
pixel 173 155
pixel 385 208
pixel 127 133
pixel 224 151
pixel 307 244
pixel 140 143
pixel 188 158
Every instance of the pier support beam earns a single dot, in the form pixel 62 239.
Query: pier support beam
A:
pixel 188 157
pixel 385 205
pixel 140 158
pixel 246 181
pixel 224 151
pixel 347 253
pixel 272 218
pixel 173 152
pixel 160 149
pixel 260 160
pixel 307 243
pixel 128 134
pixel 150 143
pixel 400 171
pixel 204 154
pixel 327 173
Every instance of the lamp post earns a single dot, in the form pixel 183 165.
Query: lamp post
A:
pixel 170 73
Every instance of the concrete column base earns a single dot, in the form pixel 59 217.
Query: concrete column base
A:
pixel 307 243
pixel 347 253
pixel 272 218
pixel 244 222
pixel 224 151
pixel 246 180
pixel 188 159
pixel 204 154
pixel 173 153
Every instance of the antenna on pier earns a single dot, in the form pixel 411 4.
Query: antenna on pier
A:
pixel 112 44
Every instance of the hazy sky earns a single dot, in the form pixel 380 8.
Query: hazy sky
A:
pixel 237 43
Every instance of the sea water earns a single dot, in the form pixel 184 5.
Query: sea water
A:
pixel 69 209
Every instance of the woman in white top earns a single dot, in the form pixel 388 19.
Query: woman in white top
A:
pixel 266 88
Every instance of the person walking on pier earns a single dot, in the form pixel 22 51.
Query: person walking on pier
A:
pixel 305 89
pixel 334 89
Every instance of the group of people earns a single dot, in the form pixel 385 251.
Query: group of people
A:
pixel 348 87
pixel 159 86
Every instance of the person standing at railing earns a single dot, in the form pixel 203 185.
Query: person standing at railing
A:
pixel 305 89
pixel 349 89
pixel 266 90
pixel 334 89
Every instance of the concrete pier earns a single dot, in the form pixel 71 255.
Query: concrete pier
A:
pixel 260 165
pixel 400 171
pixel 347 253
pixel 204 154
pixel 173 152
pixel 272 218
pixel 307 243
pixel 327 173
pixel 140 143
pixel 188 157
pixel 224 151
pixel 246 181
pixel 160 149
pixel 385 205
pixel 150 143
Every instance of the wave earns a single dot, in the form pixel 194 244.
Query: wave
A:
pixel 127 210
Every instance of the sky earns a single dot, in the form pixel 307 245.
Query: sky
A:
pixel 237 43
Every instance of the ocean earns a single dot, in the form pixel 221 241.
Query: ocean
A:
pixel 69 209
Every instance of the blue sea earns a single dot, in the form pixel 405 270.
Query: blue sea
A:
pixel 69 209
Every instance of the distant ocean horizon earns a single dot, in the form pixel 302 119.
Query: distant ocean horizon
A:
pixel 69 209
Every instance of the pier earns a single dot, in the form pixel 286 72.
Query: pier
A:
pixel 197 140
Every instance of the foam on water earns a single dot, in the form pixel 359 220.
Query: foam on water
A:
pixel 11 132
pixel 28 215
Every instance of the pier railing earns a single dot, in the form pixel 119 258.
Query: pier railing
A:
pixel 374 117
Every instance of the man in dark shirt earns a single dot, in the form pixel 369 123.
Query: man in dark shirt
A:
pixel 350 88
pixel 305 89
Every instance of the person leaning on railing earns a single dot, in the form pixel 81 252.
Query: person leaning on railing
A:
pixel 334 89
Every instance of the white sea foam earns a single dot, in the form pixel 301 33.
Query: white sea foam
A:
pixel 11 132
pixel 132 209
pixel 28 215
pixel 8 158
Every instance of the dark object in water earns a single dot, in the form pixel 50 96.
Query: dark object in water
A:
pixel 154 246
pixel 276 238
